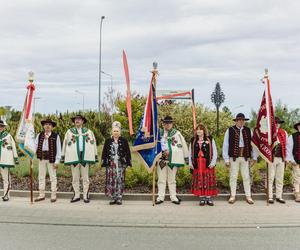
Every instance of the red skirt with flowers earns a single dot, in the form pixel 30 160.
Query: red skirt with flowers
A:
pixel 204 179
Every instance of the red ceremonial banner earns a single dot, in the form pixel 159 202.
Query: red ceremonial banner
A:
pixel 264 137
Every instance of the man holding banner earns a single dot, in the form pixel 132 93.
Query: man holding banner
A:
pixel 8 158
pixel 175 154
pixel 276 167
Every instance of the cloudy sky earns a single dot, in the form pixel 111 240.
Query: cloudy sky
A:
pixel 195 42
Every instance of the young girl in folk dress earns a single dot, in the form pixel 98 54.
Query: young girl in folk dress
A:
pixel 203 157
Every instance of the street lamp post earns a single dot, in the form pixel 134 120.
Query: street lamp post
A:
pixel 111 92
pixel 237 107
pixel 100 55
pixel 34 99
pixel 81 93
pixel 217 97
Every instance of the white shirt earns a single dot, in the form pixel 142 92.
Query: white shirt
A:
pixel 241 145
pixel 289 149
pixel 164 141
pixel 80 139
pixel 46 146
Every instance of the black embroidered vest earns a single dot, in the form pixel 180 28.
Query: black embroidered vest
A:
pixel 296 148
pixel 52 146
pixel 234 140
pixel 206 149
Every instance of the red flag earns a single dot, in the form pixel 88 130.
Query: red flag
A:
pixel 264 137
pixel 29 98
pixel 128 96
pixel 183 95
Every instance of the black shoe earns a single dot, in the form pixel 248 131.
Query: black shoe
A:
pixel 39 199
pixel 75 200
pixel 180 200
pixel 271 201
pixel 176 202
pixel 280 200
pixel 202 201
pixel 5 198
pixel 119 202
pixel 86 200
pixel 158 202
pixel 112 202
pixel 209 201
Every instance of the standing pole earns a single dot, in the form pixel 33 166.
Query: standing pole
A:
pixel 218 127
pixel 82 103
pixel 153 185
pixel 267 181
pixel 154 75
pixel 100 61
pixel 31 181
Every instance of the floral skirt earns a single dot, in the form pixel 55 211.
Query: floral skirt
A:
pixel 115 181
pixel 204 180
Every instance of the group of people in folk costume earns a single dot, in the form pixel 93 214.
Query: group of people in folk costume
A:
pixel 79 151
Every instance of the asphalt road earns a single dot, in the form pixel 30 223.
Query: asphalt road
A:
pixel 139 225
pixel 36 237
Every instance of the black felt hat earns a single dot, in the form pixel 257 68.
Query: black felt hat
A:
pixel 48 120
pixel 296 125
pixel 240 116
pixel 80 117
pixel 167 119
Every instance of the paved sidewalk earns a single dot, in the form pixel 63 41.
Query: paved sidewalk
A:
pixel 189 214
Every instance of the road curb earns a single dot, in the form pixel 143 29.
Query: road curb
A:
pixel 143 197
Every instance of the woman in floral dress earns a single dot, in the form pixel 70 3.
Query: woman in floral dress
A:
pixel 116 157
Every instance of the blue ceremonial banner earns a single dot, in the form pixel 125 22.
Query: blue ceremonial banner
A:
pixel 147 143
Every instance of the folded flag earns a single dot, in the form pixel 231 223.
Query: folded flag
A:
pixel 25 132
pixel 147 143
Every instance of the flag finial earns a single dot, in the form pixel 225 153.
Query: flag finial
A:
pixel 30 76
pixel 155 64
pixel 266 73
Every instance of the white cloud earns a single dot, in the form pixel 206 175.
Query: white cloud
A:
pixel 196 43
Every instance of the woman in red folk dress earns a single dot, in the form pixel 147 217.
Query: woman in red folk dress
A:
pixel 203 157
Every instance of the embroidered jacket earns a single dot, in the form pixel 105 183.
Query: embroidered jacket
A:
pixel 8 151
pixel 174 142
pixel 79 143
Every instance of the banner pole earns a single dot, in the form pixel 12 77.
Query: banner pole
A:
pixel 267 183
pixel 153 185
pixel 31 181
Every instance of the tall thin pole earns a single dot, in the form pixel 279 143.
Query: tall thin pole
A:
pixel 81 93
pixel 154 75
pixel 31 181
pixel 112 103
pixel 100 50
pixel 218 122
pixel 267 181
